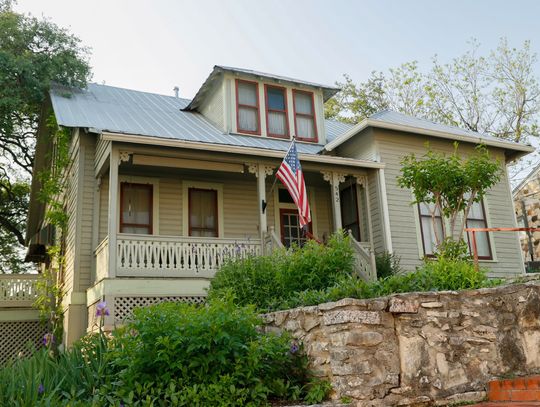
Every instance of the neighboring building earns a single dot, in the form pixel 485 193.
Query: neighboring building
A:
pixel 162 189
pixel 527 205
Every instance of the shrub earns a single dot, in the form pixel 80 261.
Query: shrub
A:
pixel 453 250
pixel 387 264
pixel 267 281
pixel 434 275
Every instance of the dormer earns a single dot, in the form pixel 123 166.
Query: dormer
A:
pixel 245 102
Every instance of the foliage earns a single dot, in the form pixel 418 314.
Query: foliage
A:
pixel 450 184
pixel 170 355
pixel 450 249
pixel 496 94
pixel 265 281
pixel 387 264
pixel 33 53
pixel 434 275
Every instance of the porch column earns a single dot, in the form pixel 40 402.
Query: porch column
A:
pixel 362 180
pixel 261 171
pixel 385 211
pixel 335 178
pixel 116 158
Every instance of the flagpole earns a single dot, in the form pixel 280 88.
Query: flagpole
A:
pixel 287 152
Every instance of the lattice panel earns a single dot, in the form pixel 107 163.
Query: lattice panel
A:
pixel 123 306
pixel 16 336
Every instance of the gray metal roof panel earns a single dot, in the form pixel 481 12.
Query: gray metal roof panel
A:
pixel 126 111
pixel 390 116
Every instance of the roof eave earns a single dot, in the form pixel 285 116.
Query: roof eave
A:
pixel 196 145
pixel 518 149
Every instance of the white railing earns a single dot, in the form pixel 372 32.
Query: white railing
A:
pixel 172 256
pixel 102 259
pixel 271 241
pixel 364 260
pixel 18 290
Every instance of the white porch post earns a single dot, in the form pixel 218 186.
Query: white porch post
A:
pixel 385 212
pixel 363 180
pixel 261 171
pixel 335 178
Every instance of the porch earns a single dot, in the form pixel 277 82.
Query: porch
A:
pixel 164 225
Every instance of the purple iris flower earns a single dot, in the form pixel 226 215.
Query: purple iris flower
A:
pixel 41 388
pixel 48 339
pixel 101 309
pixel 294 348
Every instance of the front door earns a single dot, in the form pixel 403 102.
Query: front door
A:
pixel 350 218
pixel 290 228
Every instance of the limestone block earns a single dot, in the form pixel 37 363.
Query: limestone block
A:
pixel 342 317
pixel 400 305
pixel 364 338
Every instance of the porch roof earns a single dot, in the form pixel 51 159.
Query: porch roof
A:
pixel 124 111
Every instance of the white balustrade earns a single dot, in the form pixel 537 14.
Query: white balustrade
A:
pixel 102 259
pixel 18 290
pixel 364 260
pixel 172 256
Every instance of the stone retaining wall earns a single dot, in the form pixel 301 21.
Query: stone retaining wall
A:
pixel 433 348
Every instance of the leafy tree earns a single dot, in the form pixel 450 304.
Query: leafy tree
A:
pixel 497 94
pixel 33 53
pixel 450 184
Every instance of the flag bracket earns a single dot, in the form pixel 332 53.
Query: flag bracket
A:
pixel 264 204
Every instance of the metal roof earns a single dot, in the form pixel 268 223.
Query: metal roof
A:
pixel 390 119
pixel 118 110
pixel 217 72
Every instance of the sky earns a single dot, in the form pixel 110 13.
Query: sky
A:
pixel 156 45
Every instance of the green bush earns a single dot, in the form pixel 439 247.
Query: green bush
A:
pixel 387 264
pixel 268 281
pixel 170 355
pixel 434 275
pixel 450 249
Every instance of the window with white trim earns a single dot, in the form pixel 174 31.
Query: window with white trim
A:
pixel 203 212
pixel 136 208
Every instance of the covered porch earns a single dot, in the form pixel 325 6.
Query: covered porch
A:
pixel 181 216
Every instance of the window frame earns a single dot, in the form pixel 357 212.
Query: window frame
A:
pixel 216 209
pixel 256 107
pixel 485 221
pixel 293 211
pixel 420 216
pixel 286 111
pixel 150 225
pixel 313 116
pixel 354 189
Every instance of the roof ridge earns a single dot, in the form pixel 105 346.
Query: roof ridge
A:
pixel 139 91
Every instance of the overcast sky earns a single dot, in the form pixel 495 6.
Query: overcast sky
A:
pixel 155 45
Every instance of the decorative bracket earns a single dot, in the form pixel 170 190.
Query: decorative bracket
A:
pixel 361 180
pixel 332 176
pixel 253 168
pixel 123 156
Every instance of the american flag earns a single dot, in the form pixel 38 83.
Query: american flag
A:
pixel 290 173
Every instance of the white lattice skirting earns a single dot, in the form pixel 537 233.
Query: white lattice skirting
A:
pixel 18 338
pixel 123 306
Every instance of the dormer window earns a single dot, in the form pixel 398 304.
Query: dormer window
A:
pixel 304 116
pixel 277 123
pixel 247 107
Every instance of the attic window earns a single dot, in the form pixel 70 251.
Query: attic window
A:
pixel 276 112
pixel 304 116
pixel 247 107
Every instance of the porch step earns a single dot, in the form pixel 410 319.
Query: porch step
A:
pixel 518 389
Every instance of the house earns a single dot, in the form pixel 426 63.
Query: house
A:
pixel 161 189
pixel 526 197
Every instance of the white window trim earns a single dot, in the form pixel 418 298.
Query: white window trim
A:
pixel 155 198
pixel 280 205
pixel 185 204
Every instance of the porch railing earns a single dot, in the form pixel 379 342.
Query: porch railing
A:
pixel 364 260
pixel 102 259
pixel 173 256
pixel 18 290
pixel 271 241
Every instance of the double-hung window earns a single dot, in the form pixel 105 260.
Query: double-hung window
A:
pixel 136 208
pixel 277 124
pixel 304 116
pixel 247 107
pixel 429 230
pixel 477 219
pixel 203 212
